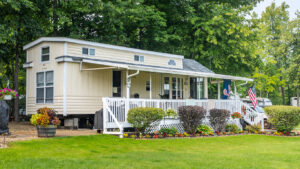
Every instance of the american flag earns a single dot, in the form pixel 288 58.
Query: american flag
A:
pixel 252 96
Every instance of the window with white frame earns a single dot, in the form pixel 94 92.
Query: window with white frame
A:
pixel 148 86
pixel 44 87
pixel 138 58
pixel 88 51
pixel 45 54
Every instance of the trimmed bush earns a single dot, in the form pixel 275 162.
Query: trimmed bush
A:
pixel 141 118
pixel 284 118
pixel 232 128
pixel 191 116
pixel 204 129
pixel 218 119
pixel 168 131
pixel 256 128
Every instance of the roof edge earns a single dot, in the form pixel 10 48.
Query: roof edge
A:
pixel 84 42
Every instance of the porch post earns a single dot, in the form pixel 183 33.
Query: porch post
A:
pixel 150 86
pixel 128 81
pixel 219 92
pixel 205 88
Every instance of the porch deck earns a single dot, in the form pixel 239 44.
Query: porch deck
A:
pixel 115 111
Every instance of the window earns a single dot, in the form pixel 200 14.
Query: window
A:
pixel 92 52
pixel 45 54
pixel 44 87
pixel 85 51
pixel 147 85
pixel 172 62
pixel 88 51
pixel 166 88
pixel 196 88
pixel 138 58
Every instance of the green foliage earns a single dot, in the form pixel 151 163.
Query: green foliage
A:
pixel 232 128
pixel 256 128
pixel 284 118
pixel 218 119
pixel 141 118
pixel 205 129
pixel 168 131
pixel 191 117
pixel 171 113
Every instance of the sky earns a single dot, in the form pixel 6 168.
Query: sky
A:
pixel 294 6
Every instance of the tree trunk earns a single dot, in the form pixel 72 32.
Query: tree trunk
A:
pixel 55 18
pixel 282 92
pixel 16 83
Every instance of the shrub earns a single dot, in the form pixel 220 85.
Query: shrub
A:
pixel 171 113
pixel 191 116
pixel 232 128
pixel 142 117
pixel 284 118
pixel 218 118
pixel 168 131
pixel 256 128
pixel 205 129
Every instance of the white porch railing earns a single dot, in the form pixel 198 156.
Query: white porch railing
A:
pixel 115 110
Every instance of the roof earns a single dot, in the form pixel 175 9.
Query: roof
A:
pixel 192 65
pixel 198 70
pixel 96 44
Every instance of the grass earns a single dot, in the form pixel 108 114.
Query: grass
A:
pixel 103 151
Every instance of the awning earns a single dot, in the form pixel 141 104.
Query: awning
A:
pixel 149 68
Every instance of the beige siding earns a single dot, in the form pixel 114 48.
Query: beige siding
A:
pixel 85 89
pixel 122 56
pixel 33 55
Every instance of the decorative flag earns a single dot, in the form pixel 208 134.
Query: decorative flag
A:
pixel 226 89
pixel 252 96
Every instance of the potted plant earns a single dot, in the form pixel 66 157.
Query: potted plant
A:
pixel 236 115
pixel 8 94
pixel 46 122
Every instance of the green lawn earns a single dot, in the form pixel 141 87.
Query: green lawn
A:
pixel 102 151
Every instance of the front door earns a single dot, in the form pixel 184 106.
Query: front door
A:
pixel 117 84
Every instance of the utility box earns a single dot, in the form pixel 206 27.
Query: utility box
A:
pixel 4 117
pixel 71 123
pixel 98 123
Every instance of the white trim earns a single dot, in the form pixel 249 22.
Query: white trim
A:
pixel 63 39
pixel 28 65
pixel 65 81
pixel 65 89
pixel 160 70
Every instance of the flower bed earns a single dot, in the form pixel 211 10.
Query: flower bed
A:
pixel 198 135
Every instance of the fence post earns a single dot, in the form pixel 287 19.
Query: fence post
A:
pixel 104 115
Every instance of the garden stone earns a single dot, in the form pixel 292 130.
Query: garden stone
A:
pixel 4 117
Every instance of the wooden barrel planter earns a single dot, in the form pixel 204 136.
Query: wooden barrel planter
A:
pixel 48 131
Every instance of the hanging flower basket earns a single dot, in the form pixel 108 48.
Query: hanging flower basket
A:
pixel 8 94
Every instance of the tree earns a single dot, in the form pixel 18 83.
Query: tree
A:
pixel 19 22
pixel 277 41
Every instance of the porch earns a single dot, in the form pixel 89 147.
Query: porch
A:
pixel 115 112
